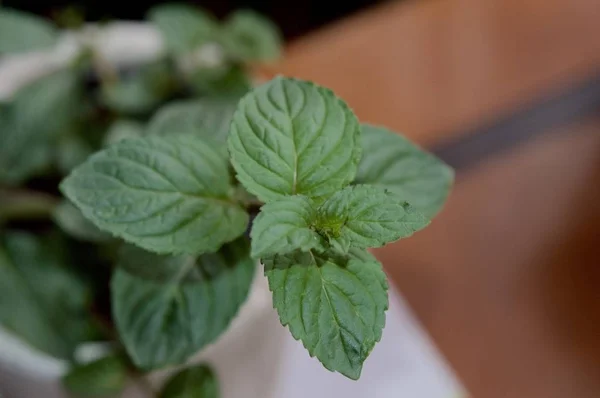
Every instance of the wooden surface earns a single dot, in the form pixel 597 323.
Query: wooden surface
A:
pixel 506 278
pixel 427 67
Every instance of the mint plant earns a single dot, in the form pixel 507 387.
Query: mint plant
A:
pixel 296 148
pixel 136 209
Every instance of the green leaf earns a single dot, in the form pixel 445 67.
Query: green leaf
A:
pixel 151 266
pixel 284 226
pixel 225 79
pixel 392 161
pixel 42 301
pixel 250 36
pixel 165 194
pixel 31 123
pixel 184 28
pixel 193 382
pixel 167 308
pixel 104 377
pixel 365 216
pixel 292 137
pixel 142 91
pixel 334 304
pixel 206 118
pixel 22 32
pixel 69 219
pixel 122 129
pixel 72 150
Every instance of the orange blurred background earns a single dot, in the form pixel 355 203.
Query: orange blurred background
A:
pixel 506 279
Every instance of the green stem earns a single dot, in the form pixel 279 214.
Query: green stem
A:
pixel 25 205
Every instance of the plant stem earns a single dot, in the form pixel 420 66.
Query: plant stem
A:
pixel 25 205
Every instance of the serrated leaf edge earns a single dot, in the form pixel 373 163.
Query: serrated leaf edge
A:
pixel 311 353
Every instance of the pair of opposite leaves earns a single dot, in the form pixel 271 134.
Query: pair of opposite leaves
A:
pixel 296 146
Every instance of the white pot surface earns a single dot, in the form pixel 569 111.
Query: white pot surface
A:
pixel 256 357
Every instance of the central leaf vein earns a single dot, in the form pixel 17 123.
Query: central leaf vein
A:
pixel 262 166
pixel 334 315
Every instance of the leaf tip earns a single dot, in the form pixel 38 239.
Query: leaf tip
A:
pixel 353 374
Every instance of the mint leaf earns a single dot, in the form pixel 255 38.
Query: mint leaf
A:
pixel 69 219
pixel 206 118
pixel 50 104
pixel 42 301
pixel 72 150
pixel 104 377
pixel 284 226
pixel 184 28
pixel 292 137
pixel 250 36
pixel 150 266
pixel 364 216
pixel 165 194
pixel 122 129
pixel 193 382
pixel 334 304
pixel 22 32
pixel 167 308
pixel 393 162
pixel 220 80
pixel 142 91
pixel 31 123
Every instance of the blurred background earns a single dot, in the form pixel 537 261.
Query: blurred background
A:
pixel 506 279
pixel 294 19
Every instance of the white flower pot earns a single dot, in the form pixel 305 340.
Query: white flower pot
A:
pixel 256 357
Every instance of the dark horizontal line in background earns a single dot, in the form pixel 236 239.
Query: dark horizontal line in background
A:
pixel 539 118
